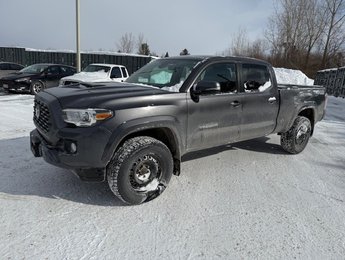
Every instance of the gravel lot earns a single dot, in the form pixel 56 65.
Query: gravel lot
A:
pixel 246 200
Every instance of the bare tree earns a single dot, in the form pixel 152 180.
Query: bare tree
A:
pixel 301 29
pixel 288 30
pixel 334 33
pixel 142 46
pixel 126 43
pixel 239 43
pixel 315 23
pixel 242 46
pixel 257 49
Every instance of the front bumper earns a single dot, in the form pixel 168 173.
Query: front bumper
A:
pixel 15 86
pixel 85 160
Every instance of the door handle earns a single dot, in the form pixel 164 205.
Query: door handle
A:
pixel 272 100
pixel 235 103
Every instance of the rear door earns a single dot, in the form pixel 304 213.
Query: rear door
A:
pixel 215 119
pixel 259 101
pixel 52 76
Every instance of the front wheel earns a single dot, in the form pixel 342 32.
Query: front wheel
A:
pixel 36 87
pixel 140 170
pixel 296 139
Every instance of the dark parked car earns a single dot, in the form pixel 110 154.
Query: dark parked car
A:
pixel 8 68
pixel 36 77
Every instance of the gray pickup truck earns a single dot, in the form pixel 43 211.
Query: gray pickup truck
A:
pixel 133 134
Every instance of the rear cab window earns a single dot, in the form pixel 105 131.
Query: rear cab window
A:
pixel 255 78
pixel 124 72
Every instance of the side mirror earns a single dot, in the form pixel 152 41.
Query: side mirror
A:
pixel 206 87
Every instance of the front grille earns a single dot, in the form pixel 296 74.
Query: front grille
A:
pixel 42 116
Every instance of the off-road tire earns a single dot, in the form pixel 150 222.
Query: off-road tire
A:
pixel 36 87
pixel 296 139
pixel 145 152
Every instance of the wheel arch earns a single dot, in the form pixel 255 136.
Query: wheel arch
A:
pixel 310 114
pixel 164 132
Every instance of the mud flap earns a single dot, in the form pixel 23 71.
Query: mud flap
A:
pixel 35 144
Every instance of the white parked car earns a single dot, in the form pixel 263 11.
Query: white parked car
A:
pixel 97 73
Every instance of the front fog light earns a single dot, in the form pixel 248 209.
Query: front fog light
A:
pixel 73 148
pixel 70 147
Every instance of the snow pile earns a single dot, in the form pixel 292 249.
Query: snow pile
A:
pixel 289 76
pixel 89 76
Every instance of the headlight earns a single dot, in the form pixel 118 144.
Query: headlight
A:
pixel 23 80
pixel 86 117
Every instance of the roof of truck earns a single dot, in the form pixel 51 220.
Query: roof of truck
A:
pixel 213 57
pixel 105 64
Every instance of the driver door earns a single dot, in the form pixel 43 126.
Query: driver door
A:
pixel 214 119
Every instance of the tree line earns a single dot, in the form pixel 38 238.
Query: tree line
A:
pixel 301 34
pixel 308 35
pixel 130 44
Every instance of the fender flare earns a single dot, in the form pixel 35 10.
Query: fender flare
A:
pixel 141 124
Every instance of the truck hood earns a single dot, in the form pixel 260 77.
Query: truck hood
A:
pixel 98 95
pixel 97 76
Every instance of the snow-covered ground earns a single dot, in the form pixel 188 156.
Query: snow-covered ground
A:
pixel 248 200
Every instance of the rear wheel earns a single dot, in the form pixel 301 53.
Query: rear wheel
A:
pixel 36 87
pixel 140 170
pixel 296 139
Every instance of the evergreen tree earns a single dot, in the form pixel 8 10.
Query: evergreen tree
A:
pixel 144 49
pixel 184 52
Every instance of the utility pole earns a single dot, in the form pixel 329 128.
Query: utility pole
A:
pixel 78 33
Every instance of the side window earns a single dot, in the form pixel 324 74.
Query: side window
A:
pixel 224 73
pixel 63 70
pixel 71 70
pixel 256 78
pixel 54 70
pixel 124 73
pixel 115 73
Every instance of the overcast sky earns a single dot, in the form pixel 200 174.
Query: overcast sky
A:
pixel 201 26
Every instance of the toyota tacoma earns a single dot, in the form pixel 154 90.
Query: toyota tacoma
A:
pixel 133 134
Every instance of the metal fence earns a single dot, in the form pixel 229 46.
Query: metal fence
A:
pixel 333 80
pixel 28 56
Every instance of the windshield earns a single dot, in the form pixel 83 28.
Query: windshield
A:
pixel 168 74
pixel 37 68
pixel 96 68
